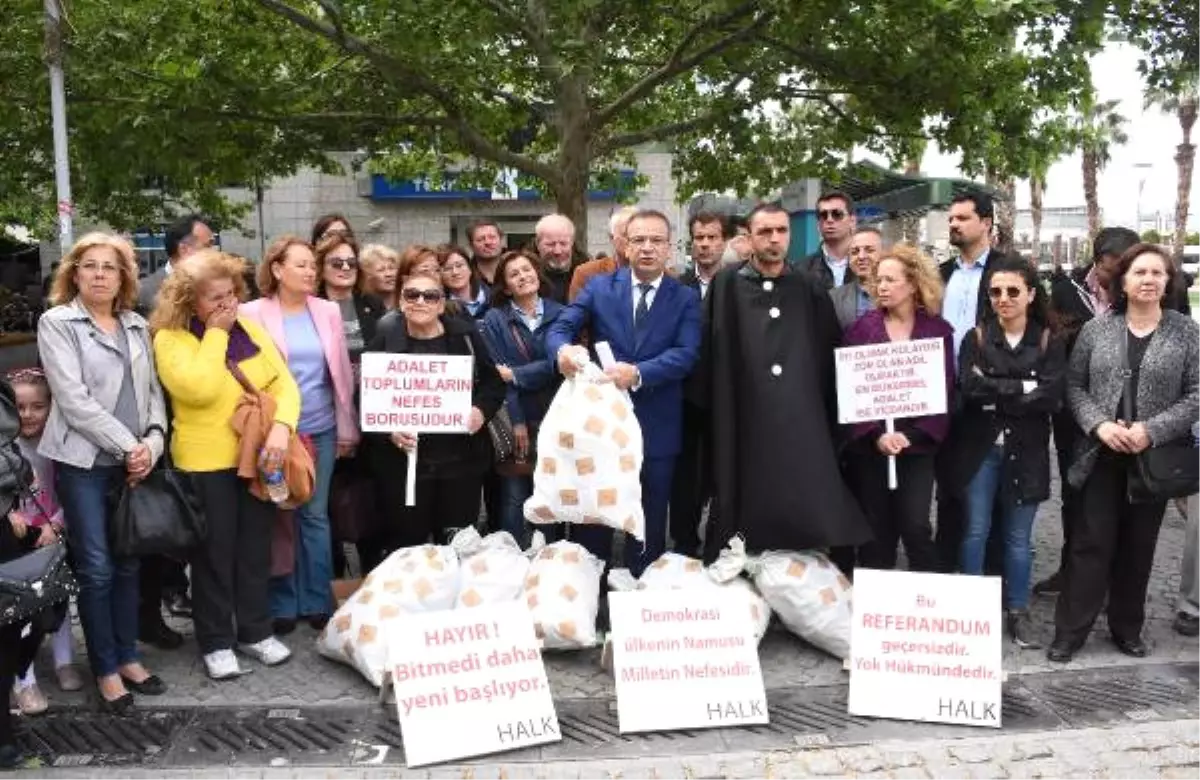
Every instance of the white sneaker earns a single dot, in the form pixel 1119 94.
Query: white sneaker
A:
pixel 269 651
pixel 222 665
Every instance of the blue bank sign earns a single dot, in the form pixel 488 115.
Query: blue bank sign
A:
pixel 426 189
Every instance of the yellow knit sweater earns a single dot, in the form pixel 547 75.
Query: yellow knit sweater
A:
pixel 204 393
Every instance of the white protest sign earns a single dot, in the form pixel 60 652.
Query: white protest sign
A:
pixel 684 659
pixel 926 647
pixel 416 393
pixel 467 684
pixel 889 381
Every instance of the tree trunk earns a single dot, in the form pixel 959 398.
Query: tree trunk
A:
pixel 1036 187
pixel 910 224
pixel 1185 159
pixel 574 158
pixel 1006 214
pixel 1090 166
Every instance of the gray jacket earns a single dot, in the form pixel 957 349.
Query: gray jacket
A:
pixel 1168 401
pixel 84 367
pixel 845 302
pixel 148 290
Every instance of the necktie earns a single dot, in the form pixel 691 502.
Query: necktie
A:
pixel 643 304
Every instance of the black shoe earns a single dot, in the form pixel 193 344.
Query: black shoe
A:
pixel 1134 648
pixel 1049 586
pixel 283 626
pixel 11 757
pixel 1062 651
pixel 151 686
pixel 1186 625
pixel 119 706
pixel 318 622
pixel 178 604
pixel 161 635
pixel 1020 629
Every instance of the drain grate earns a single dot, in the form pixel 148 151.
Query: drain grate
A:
pixel 84 738
pixel 1138 693
pixel 261 736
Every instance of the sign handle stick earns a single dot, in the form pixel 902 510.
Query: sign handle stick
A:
pixel 410 481
pixel 890 427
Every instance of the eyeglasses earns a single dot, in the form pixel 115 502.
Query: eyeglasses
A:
pixel 345 263
pixel 450 268
pixel 999 292
pixel 834 214
pixel 429 296
pixel 654 241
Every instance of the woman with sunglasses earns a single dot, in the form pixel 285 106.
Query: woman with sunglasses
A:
pixel 1012 372
pixel 908 296
pixel 342 282
pixel 450 467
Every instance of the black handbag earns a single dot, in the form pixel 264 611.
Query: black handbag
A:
pixel 39 579
pixel 504 440
pixel 160 515
pixel 1169 470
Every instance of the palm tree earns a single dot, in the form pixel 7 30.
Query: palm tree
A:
pixel 910 224
pixel 1184 104
pixel 1037 187
pixel 1006 208
pixel 1099 128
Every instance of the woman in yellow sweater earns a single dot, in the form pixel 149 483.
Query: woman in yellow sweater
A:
pixel 197 335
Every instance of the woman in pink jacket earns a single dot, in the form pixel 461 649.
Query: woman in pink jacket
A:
pixel 309 334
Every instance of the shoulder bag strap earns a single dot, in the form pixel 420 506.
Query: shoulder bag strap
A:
pixel 241 377
pixel 1045 341
pixel 522 347
pixel 1126 373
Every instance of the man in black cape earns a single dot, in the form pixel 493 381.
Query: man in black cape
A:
pixel 767 376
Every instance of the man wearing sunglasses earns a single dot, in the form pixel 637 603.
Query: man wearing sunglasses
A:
pixel 830 265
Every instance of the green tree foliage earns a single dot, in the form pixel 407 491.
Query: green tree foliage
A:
pixel 189 96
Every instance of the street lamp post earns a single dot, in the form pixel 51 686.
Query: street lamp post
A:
pixel 58 117
pixel 1142 168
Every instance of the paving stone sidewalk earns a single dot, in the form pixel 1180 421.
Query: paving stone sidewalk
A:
pixel 786 661
pixel 1167 749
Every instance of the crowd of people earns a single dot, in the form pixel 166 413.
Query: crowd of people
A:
pixel 730 367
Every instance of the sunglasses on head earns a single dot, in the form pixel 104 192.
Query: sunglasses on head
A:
pixel 429 296
pixel 345 263
pixel 834 214
pixel 999 292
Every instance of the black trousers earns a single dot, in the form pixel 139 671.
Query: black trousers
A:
pixel 1066 435
pixel 1110 556
pixel 895 515
pixel 232 567
pixel 160 576
pixel 444 504
pixel 16 654
pixel 691 487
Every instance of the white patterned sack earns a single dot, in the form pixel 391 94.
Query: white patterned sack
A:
pixel 589 458
pixel 811 595
pixel 414 579
pixel 679 572
pixel 495 571
pixel 562 591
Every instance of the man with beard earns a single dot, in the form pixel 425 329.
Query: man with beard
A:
pixel 830 265
pixel 487 245
pixel 767 379
pixel 692 488
pixel 554 236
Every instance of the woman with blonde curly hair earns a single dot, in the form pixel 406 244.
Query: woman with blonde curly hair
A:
pixel 106 427
pixel 907 291
pixel 379 264
pixel 198 338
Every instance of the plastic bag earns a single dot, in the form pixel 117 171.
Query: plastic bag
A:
pixel 679 572
pixel 414 579
pixel 495 572
pixel 811 595
pixel 562 591
pixel 589 458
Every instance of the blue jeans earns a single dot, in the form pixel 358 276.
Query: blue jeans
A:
pixel 306 591
pixel 1017 520
pixel 513 492
pixel 108 586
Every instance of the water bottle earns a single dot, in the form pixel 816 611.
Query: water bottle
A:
pixel 277 487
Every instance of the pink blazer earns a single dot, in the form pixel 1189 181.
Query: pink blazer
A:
pixel 328 319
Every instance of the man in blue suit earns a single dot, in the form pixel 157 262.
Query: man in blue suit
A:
pixel 652 324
